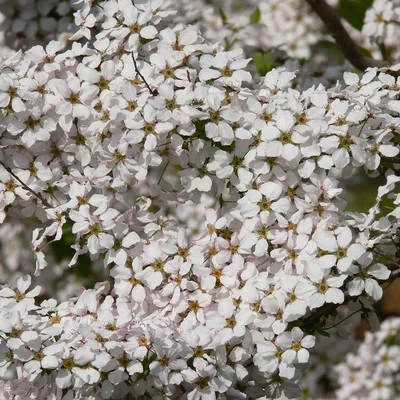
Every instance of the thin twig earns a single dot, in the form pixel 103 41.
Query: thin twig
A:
pixel 326 310
pixel 141 76
pixel 162 174
pixel 342 38
pixel 341 321
pixel 38 195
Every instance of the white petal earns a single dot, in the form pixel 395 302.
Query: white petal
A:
pixel 50 362
pixel 373 289
pixel 334 295
pixel 148 32
pixel 325 240
pixel 356 286
pixel 130 239
pixel 303 355
pixel 379 271
pixel 23 283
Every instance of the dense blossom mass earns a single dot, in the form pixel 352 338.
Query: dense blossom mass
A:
pixel 373 373
pixel 214 200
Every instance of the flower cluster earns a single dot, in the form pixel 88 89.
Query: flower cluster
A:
pixel 29 22
pixel 287 26
pixel 381 29
pixel 381 21
pixel 214 202
pixel 373 372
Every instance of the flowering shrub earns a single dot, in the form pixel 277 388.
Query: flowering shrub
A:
pixel 214 200
pixel 372 373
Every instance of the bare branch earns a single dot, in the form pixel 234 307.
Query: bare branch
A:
pixel 326 310
pixel 342 38
pixel 38 195
pixel 140 74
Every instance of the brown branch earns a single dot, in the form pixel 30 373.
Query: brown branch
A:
pixel 342 38
pixel 326 310
pixel 141 76
pixel 26 187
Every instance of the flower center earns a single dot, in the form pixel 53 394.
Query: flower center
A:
pixel 158 265
pixel 135 28
pixel 346 142
pixel 198 351
pixel 296 346
pixel 68 364
pixel 149 128
pixel 230 322
pixel 323 288
pixel 183 252
pixel 364 274
pixel 340 121
pixel 202 382
pixel 286 138
pixel 30 123
pixel 215 117
pixel 74 98
pixel 341 253
pixel 12 91
pixel 227 72
pixel 132 106
pixel 103 83
pixel 164 361
pixel 19 296
pixel 48 59
pixel 193 305
pixel 95 229
pixel 217 273
pixel 38 356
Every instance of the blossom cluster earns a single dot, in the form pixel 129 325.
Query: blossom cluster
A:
pixel 59 281
pixel 214 201
pixel 373 372
pixel 29 22
pixel 287 26
pixel 284 29
pixel 381 21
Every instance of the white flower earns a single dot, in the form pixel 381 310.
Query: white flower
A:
pixel 344 252
pixel 20 296
pixel 47 56
pixel 321 290
pixel 295 345
pixel 365 278
pixel 224 322
pixel 9 94
pixel 86 223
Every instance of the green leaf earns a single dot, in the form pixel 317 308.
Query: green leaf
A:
pixel 255 16
pixel 200 125
pixel 334 312
pixel 323 333
pixel 264 62
pixel 223 16
pixel 353 11
pixel 153 208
